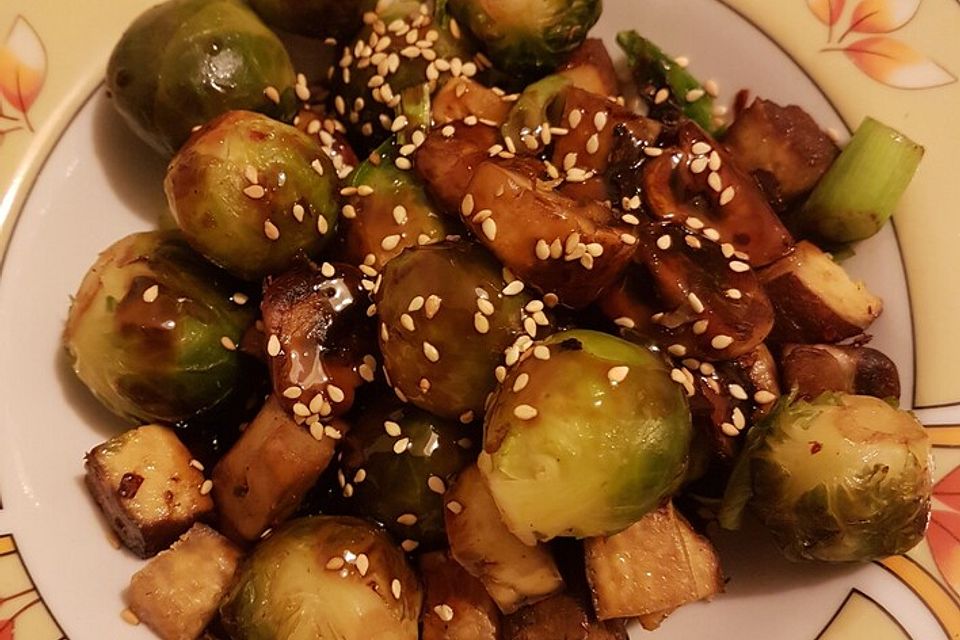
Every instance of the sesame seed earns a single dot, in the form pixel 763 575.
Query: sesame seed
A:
pixel 480 323
pixel 392 428
pixel 739 421
pixel 721 341
pixel 432 306
pixel 349 211
pixel 733 294
pixel 130 617
pixel 273 346
pixel 250 173
pixel 700 327
pixel 661 96
pixel 407 519
pixel 692 241
pixel 714 181
pixel 228 343
pixel 335 563
pixel 401 445
pixel 513 288
pixel 541 352
pixel 390 242
pixel 625 322
pixel 409 545
pixel 322 225
pixel 694 94
pixel 444 612
pixel 677 350
pixel 436 484
pixel 395 588
pixel 712 87
pixel 364 190
pixel 593 144
pixel 542 249
pixel 316 430
pixel 701 148
pixel 677 376
pixel 715 161
pixel 466 205
pixel 727 195
pixel 737 391
pixel 695 302
pixel 455 507
pixel 653 152
pixel 524 412
pixel 317 166
pixel 485 306
pixel 664 242
pixel 617 374
pixel 711 234
pixel 699 165
pixel 628 239
pixel 431 352
pixel 270 230
pixel 363 564
pixel 254 191
pixel 739 267
pixel 196 464
pixel 764 397
pixel 336 393
pixel 272 94
pixel 489 228
pixel 729 430
pixel 574 118
pixel 206 487
pixel 151 293
pixel 600 120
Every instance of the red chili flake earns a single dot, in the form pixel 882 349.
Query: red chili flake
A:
pixel 129 485
pixel 815 447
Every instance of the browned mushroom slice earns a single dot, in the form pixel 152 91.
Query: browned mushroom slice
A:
pixel 815 300
pixel 700 180
pixel 574 250
pixel 590 120
pixel 590 68
pixel 319 338
pixel 712 304
pixel 783 142
pixel 462 97
pixel 631 303
pixel 456 605
pixel 448 159
pixel 812 369
pixel 560 617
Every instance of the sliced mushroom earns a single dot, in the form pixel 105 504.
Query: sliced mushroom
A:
pixel 812 369
pixel 448 159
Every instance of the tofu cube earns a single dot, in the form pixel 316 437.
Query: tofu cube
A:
pixel 147 488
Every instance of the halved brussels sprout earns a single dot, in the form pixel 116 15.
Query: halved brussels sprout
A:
pixel 398 461
pixel 337 19
pixel 154 328
pixel 253 194
pixel 324 578
pixel 529 37
pixel 447 315
pixel 840 479
pixel 586 435
pixel 184 62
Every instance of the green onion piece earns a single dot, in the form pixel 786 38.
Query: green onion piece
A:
pixel 415 107
pixel 861 189
pixel 541 102
pixel 651 65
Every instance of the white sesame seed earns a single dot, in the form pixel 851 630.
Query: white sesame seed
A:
pixel 390 242
pixel 254 191
pixel 436 484
pixel 739 421
pixel 401 445
pixel 485 306
pixel 625 322
pixel 395 588
pixel 273 346
pixel 362 563
pixel 737 391
pixel 228 343
pixel 711 234
pixel 733 294
pixel 701 148
pixel 715 181
pixel 466 205
pixel 692 241
pixel 574 118
pixel 664 242
pixel 628 239
pixel 661 96
pixel 272 94
pixel 480 323
pixel 317 166
pixel 739 267
pixel 593 144
pixel 700 327
pixel 130 617
pixel 677 350
pixel 542 249
pixel 151 293
pixel 431 352
pixel 392 428
pixel 712 87
pixel 525 412
pixel 206 487
pixel 444 612
pixel 489 228
pixel 715 161
pixel 335 393
pixel 695 302
pixel 600 120
pixel 727 195
pixel 250 173
pixel 694 94
pixel 721 342
pixel 322 225
pixel 407 519
pixel 541 352
pixel 349 211
pixel 409 545
pixel 432 306
pixel 617 374
pixel 764 397
pixel 513 288
pixel 699 165
pixel 729 430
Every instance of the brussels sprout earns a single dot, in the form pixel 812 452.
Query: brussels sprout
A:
pixel 586 435
pixel 380 64
pixel 252 194
pixel 397 462
pixel 153 330
pixel 185 62
pixel 396 215
pixel 843 478
pixel 338 19
pixel 320 340
pixel 529 37
pixel 324 578
pixel 447 315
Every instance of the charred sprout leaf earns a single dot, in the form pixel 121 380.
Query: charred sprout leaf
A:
pixel 184 62
pixel 860 191
pixel 840 479
pixel 320 340
pixel 324 578
pixel 447 315
pixel 528 37
pixel 396 215
pixel 585 435
pixel 337 19
pixel 253 194
pixel 654 70
pixel 397 462
pixel 153 330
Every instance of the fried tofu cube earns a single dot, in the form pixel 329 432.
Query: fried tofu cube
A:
pixel 144 483
pixel 651 568
pixel 178 593
pixel 264 477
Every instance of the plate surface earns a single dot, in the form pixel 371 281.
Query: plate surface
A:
pixel 73 180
